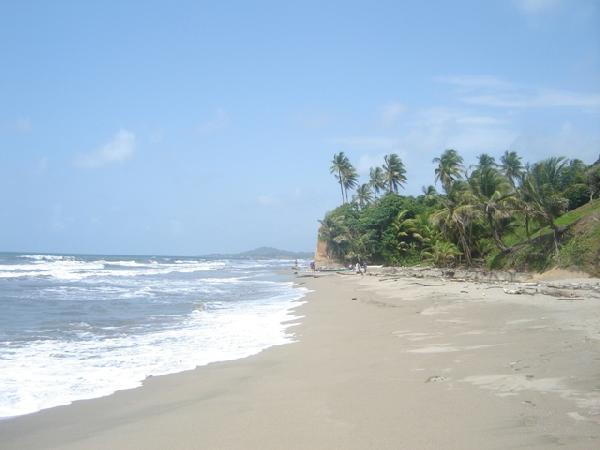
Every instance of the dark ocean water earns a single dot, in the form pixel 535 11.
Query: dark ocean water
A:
pixel 76 327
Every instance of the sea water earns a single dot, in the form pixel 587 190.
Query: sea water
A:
pixel 79 327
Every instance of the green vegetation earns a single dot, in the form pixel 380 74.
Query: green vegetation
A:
pixel 499 215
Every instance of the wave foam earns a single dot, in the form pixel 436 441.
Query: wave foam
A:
pixel 72 269
pixel 47 373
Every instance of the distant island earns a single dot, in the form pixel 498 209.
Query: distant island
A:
pixel 263 253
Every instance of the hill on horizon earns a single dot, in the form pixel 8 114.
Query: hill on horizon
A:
pixel 266 253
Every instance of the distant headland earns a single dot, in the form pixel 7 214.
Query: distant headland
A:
pixel 263 253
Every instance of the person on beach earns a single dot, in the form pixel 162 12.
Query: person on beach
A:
pixel 358 268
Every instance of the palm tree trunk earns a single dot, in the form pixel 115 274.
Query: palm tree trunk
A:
pixel 342 188
pixel 555 236
pixel 496 235
pixel 527 232
pixel 466 249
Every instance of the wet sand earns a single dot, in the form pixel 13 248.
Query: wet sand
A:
pixel 404 363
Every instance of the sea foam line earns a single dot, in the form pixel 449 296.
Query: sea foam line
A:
pixel 50 373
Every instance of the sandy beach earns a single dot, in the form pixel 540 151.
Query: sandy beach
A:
pixel 377 364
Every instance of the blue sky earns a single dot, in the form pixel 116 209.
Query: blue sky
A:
pixel 189 127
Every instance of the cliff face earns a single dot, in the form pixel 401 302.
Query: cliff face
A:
pixel 322 259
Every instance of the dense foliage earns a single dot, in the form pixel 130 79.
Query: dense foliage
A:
pixel 483 212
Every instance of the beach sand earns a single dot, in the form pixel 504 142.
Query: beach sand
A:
pixel 396 364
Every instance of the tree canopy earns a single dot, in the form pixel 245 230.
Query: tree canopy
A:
pixel 478 214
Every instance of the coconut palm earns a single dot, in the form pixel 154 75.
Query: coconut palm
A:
pixel 429 190
pixel 493 195
pixel 511 167
pixel 414 233
pixel 541 190
pixel 455 219
pixel 336 234
pixel 593 180
pixel 449 169
pixel 377 179
pixel 394 171
pixel 344 172
pixel 338 168
pixel 364 195
pixel 350 179
pixel 442 253
pixel 485 161
pixel 430 194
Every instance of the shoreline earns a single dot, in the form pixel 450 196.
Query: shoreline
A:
pixel 375 364
pixel 287 303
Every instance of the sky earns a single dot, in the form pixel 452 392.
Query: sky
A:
pixel 185 128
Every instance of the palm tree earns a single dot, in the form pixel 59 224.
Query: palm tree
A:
pixel 350 179
pixel 414 233
pixel 336 234
pixel 377 179
pixel 430 194
pixel 593 180
pixel 456 217
pixel 511 167
pixel 442 253
pixel 449 169
pixel 344 172
pixel 338 167
pixel 485 161
pixel 492 192
pixel 364 195
pixel 395 173
pixel 541 189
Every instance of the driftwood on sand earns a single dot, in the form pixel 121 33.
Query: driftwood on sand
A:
pixel 512 283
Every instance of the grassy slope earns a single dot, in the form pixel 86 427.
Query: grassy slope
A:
pixel 580 244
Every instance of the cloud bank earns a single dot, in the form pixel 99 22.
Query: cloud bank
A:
pixel 119 149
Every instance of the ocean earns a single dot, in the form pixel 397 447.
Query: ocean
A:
pixel 80 327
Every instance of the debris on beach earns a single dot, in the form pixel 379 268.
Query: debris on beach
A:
pixel 436 379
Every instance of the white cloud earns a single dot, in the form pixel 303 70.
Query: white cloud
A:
pixel 490 120
pixel 438 128
pixel 218 121
pixel 494 92
pixel 541 99
pixel 567 140
pixel 427 132
pixel 391 112
pixel 537 6
pixel 120 148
